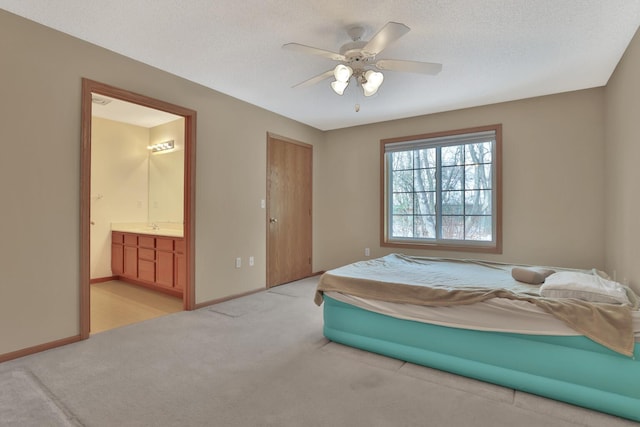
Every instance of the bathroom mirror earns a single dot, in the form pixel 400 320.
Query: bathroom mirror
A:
pixel 166 186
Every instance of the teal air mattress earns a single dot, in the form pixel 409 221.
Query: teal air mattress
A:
pixel 571 369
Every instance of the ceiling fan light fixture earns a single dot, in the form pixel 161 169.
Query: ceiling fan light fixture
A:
pixel 342 73
pixel 339 86
pixel 373 81
pixel 362 55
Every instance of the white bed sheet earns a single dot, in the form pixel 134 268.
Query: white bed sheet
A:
pixel 490 315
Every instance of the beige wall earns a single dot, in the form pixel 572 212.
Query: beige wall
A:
pixel 622 199
pixel 119 171
pixel 40 168
pixel 553 173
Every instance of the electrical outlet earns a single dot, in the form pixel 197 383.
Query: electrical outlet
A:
pixel 367 252
pixel 251 261
pixel 238 262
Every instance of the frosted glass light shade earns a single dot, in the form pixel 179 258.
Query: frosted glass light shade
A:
pixel 342 72
pixel 339 87
pixel 373 83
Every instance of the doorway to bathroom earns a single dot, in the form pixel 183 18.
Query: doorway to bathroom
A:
pixel 137 200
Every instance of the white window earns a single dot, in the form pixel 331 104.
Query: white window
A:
pixel 443 190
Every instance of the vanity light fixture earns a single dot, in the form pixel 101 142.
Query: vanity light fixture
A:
pixel 162 146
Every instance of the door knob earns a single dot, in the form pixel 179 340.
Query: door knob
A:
pixel 273 220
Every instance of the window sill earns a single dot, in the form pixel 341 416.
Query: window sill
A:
pixel 490 249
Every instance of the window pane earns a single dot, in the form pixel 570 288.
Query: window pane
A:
pixel 452 155
pixel 452 178
pixel 426 227
pixel 453 227
pixel 402 226
pixel 477 177
pixel 402 160
pixel 425 158
pixel 452 203
pixel 402 203
pixel 478 228
pixel 478 153
pixel 478 202
pixel 425 180
pixel 425 203
pixel 403 181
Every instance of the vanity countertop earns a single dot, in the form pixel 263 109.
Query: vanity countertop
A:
pixel 162 229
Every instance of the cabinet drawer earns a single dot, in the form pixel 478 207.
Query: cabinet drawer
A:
pixel 117 237
pixel 130 239
pixel 164 244
pixel 146 242
pixel 148 254
pixel 180 246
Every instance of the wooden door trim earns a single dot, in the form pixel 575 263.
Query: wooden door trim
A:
pixel 89 87
pixel 271 136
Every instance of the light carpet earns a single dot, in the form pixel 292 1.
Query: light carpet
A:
pixel 25 402
pixel 262 360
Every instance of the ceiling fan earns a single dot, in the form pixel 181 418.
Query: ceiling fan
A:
pixel 358 59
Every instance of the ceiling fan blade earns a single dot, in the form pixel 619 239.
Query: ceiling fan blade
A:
pixel 297 47
pixel 391 32
pixel 314 80
pixel 409 66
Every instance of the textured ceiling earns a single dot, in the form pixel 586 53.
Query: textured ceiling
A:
pixel 491 50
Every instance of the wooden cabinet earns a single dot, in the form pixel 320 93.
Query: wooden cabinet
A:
pixel 180 265
pixel 130 252
pixel 153 261
pixel 117 253
pixel 164 262
pixel 147 265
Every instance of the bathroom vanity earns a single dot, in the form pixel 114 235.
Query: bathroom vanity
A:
pixel 149 259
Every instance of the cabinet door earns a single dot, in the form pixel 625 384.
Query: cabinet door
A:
pixel 164 268
pixel 117 259
pixel 180 270
pixel 130 268
pixel 146 270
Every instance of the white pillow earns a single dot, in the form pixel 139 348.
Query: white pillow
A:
pixel 584 286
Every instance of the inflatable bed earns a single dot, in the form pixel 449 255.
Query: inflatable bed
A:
pixel 569 335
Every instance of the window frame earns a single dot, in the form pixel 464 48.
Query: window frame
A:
pixel 494 246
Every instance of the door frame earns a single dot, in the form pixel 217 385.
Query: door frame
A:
pixel 89 87
pixel 271 136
